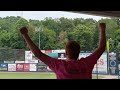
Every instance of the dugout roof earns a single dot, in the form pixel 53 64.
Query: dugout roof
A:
pixel 101 13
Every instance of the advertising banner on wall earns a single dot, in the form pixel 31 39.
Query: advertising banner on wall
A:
pixel 9 61
pixel 53 55
pixel 28 55
pixel 61 56
pixel 102 64
pixel 19 67
pixel 43 51
pixel 31 61
pixel 40 62
pixel 58 51
pixel 3 67
pixel 41 68
pixel 26 67
pixel 84 54
pixel 19 61
pixel 48 51
pixel 48 69
pixel 113 63
pixel 33 67
pixel 11 67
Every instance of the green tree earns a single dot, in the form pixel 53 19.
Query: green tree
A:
pixel 66 24
pixel 111 26
pixel 52 24
pixel 47 39
pixel 83 35
pixel 21 23
pixel 62 40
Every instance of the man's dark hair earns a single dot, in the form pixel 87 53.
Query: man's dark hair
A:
pixel 72 49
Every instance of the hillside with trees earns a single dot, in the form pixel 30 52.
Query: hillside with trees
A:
pixel 54 33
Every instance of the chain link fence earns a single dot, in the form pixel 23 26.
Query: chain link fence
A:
pixel 12 54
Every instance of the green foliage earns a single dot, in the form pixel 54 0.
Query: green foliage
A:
pixel 48 39
pixel 83 35
pixel 54 33
pixel 21 23
pixel 62 40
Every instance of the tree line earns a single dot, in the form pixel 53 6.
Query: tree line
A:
pixel 52 34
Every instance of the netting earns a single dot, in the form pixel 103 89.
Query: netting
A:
pixel 12 55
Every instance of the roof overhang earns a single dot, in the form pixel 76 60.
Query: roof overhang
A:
pixel 100 13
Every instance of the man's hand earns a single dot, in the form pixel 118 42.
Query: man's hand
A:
pixel 23 30
pixel 102 26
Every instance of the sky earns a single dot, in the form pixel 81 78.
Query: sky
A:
pixel 41 15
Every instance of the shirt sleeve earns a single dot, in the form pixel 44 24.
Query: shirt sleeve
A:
pixel 53 64
pixel 92 59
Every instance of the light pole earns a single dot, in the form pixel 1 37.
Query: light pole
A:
pixel 22 14
pixel 39 38
pixel 39 29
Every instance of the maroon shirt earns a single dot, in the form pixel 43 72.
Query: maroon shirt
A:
pixel 74 69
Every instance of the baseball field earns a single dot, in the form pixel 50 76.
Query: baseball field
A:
pixel 32 75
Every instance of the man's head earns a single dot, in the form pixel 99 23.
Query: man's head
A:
pixel 72 50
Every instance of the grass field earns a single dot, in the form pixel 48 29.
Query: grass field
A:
pixel 31 75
